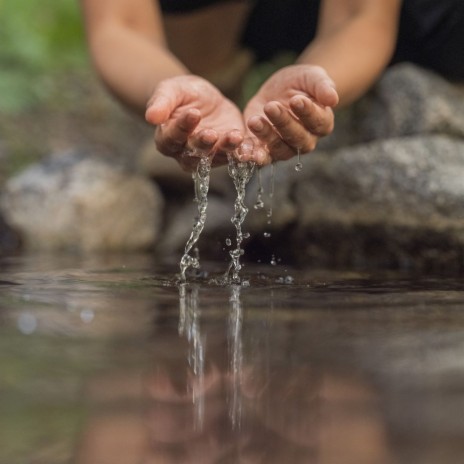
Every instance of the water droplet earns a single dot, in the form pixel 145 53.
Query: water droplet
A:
pixel 259 197
pixel 259 204
pixel 289 280
pixel 299 164
pixel 273 261
pixel 267 234
pixel 228 242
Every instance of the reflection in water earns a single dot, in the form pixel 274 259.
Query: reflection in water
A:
pixel 189 325
pixel 323 369
pixel 235 354
pixel 224 398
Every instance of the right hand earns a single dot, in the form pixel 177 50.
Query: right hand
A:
pixel 193 117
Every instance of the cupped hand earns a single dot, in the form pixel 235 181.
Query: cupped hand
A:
pixel 193 119
pixel 291 110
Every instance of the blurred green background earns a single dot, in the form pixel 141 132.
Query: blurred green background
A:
pixel 39 40
pixel 50 97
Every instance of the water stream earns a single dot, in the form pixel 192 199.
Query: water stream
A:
pixel 201 177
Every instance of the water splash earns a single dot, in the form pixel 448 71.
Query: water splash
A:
pixel 235 355
pixel 189 326
pixel 241 173
pixel 299 164
pixel 201 177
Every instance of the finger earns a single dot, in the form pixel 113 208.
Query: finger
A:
pixel 316 119
pixel 292 132
pixel 166 98
pixel 321 87
pixel 227 144
pixel 264 131
pixel 203 141
pixel 171 137
pixel 252 149
pixel 230 141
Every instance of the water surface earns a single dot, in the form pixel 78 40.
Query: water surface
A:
pixel 108 360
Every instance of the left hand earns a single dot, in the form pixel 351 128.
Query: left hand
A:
pixel 291 110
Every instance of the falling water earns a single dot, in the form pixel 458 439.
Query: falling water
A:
pixel 241 173
pixel 201 184
pixel 299 164
pixel 259 196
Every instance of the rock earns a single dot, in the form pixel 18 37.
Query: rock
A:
pixel 76 202
pixel 407 100
pixel 392 202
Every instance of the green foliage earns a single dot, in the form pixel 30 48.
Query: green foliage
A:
pixel 37 40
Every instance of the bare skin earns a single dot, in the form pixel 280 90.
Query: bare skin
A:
pixel 289 112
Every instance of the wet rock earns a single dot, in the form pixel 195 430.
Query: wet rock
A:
pixel 77 202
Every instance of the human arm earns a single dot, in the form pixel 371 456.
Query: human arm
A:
pixel 354 43
pixel 130 54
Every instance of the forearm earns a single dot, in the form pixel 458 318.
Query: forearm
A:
pixel 354 53
pixel 130 64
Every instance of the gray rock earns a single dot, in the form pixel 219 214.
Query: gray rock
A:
pixel 71 201
pixel 407 100
pixel 389 202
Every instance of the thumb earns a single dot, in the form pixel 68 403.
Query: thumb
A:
pixel 320 86
pixel 166 98
pixel 325 93
pixel 159 108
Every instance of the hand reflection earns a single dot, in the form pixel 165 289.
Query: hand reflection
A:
pixel 318 416
pixel 290 412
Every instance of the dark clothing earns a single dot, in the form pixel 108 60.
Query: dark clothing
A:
pixel 432 35
pixel 431 32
